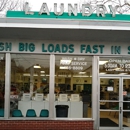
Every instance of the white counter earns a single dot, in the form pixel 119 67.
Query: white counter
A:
pixel 24 106
pixel 75 109
pixel 38 106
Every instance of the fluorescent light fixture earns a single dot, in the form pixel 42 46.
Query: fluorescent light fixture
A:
pixel 35 74
pixel 117 68
pixel 102 62
pixel 82 72
pixel 37 66
pixel 27 74
pixel 79 76
pixel 64 67
pixel 42 75
pixel 42 71
pixel 123 73
pixel 65 62
pixel 103 73
pixel 64 75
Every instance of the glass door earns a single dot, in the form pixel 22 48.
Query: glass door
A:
pixel 126 104
pixel 114 92
pixel 109 103
pixel 114 103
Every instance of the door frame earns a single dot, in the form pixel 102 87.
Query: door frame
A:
pixel 120 77
pixel 124 128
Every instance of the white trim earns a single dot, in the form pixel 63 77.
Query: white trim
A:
pixel 7 85
pixel 95 90
pixel 64 23
pixel 63 26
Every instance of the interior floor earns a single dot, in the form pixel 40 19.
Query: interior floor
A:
pixel 114 116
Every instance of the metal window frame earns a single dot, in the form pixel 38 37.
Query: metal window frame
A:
pixel 7 85
pixel 51 86
pixel 95 71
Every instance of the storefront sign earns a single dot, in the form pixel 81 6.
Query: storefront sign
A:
pixel 65 48
pixel 98 12
pixel 120 65
pixel 87 9
pixel 75 63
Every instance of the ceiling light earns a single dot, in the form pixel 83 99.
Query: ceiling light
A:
pixel 82 72
pixel 42 71
pixel 103 73
pixel 37 66
pixel 42 75
pixel 65 62
pixel 123 73
pixel 102 62
pixel 27 74
pixel 64 67
pixel 64 75
pixel 35 74
pixel 79 76
pixel 117 68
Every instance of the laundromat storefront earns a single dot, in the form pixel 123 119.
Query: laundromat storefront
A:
pixel 50 72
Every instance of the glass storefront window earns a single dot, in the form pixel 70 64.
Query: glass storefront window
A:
pixel 29 84
pixel 114 65
pixel 2 82
pixel 126 91
pixel 73 85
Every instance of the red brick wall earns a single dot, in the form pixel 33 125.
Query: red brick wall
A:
pixel 45 125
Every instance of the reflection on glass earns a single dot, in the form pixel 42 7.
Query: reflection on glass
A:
pixel 29 82
pixel 73 77
pixel 109 119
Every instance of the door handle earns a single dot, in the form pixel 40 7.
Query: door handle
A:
pixel 120 110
